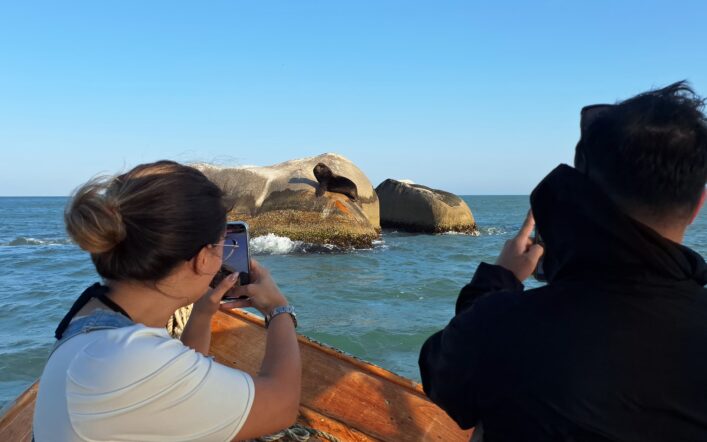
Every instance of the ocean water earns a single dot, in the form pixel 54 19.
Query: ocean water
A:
pixel 378 304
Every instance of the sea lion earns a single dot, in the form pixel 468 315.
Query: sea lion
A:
pixel 330 182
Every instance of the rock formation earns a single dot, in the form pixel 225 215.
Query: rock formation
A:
pixel 288 200
pixel 412 207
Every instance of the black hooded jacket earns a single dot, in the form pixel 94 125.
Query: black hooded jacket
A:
pixel 614 347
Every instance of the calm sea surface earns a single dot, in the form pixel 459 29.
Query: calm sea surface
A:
pixel 379 304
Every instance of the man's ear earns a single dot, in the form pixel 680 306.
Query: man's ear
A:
pixel 699 205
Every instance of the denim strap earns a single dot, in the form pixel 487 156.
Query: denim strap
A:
pixel 97 320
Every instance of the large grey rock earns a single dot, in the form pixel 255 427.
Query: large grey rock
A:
pixel 282 199
pixel 417 208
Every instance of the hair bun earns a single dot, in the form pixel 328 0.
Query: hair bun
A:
pixel 93 220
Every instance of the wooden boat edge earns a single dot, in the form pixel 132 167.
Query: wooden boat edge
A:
pixel 16 416
pixel 22 409
pixel 387 406
pixel 338 354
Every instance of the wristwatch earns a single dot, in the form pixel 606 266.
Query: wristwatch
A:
pixel 280 310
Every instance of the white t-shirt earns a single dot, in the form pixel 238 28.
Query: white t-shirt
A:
pixel 138 384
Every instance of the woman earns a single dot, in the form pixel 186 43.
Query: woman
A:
pixel 155 234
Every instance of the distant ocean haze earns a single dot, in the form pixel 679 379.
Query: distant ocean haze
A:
pixel 378 304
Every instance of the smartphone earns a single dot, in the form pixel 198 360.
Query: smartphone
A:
pixel 539 272
pixel 236 254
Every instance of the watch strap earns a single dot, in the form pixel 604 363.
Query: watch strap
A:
pixel 289 309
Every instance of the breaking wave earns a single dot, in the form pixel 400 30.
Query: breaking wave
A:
pixel 29 241
pixel 272 244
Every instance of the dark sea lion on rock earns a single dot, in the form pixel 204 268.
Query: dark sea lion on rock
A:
pixel 330 182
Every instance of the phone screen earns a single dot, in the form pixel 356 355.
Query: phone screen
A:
pixel 235 249
pixel 236 257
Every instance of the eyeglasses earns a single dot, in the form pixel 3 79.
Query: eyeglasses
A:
pixel 229 248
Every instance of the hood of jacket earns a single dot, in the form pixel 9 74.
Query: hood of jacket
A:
pixel 586 235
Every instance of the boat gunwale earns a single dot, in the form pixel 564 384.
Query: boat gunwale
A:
pixel 376 370
pixel 16 415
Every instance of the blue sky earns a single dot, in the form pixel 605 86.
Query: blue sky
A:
pixel 470 97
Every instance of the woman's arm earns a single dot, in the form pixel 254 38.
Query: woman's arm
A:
pixel 278 384
pixel 197 332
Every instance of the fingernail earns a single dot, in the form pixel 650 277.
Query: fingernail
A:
pixel 232 277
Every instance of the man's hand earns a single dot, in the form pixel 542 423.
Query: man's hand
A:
pixel 520 255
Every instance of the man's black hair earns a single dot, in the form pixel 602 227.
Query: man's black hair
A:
pixel 649 153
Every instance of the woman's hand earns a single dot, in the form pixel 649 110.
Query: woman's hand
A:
pixel 197 333
pixel 262 293
pixel 211 301
pixel 520 255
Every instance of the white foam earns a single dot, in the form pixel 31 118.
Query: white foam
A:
pixel 492 231
pixel 378 244
pixel 272 244
pixel 29 241
pixel 451 232
pixel 482 231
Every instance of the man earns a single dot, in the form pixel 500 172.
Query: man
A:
pixel 614 347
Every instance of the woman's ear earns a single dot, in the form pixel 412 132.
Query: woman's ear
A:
pixel 204 262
